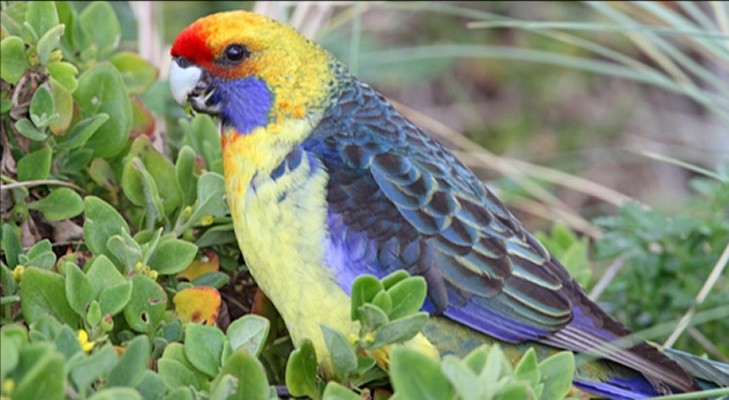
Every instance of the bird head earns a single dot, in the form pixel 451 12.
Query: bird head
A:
pixel 250 71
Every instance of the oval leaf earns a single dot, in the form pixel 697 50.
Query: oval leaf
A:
pixel 101 26
pixel 60 204
pixel 43 292
pixel 137 72
pixel 341 354
pixel 172 256
pixel 79 291
pixel 35 165
pixel 204 348
pixel 82 131
pixel 417 376
pixel 248 332
pixel 101 90
pixel 251 377
pixel 102 222
pixel 146 305
pixel 301 371
pixel 200 305
pixel 13 61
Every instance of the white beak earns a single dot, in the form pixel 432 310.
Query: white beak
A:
pixel 183 81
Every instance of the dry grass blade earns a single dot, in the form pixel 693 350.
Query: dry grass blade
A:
pixel 714 276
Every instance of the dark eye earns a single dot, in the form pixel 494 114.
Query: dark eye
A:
pixel 182 62
pixel 235 53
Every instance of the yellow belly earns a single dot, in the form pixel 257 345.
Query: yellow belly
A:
pixel 281 229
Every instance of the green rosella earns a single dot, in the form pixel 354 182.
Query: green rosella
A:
pixel 326 181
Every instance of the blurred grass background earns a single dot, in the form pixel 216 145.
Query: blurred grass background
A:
pixel 569 110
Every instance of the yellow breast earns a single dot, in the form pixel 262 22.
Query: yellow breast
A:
pixel 281 229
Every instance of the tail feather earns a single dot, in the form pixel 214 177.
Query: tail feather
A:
pixel 710 374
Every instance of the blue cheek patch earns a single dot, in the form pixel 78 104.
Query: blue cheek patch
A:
pixel 247 103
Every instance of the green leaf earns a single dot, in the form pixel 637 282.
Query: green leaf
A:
pixel 527 369
pixel 60 204
pixel 248 332
pixel 408 296
pixel 101 90
pixel 100 24
pixel 176 352
pixel 556 374
pixel 63 102
pixel 172 256
pixel 212 279
pixel 102 222
pixel 129 371
pixel 144 187
pixel 341 354
pixel 174 374
pixel 335 391
pixel 181 392
pixel 12 339
pixel 11 245
pixel 151 387
pixel 65 73
pixel 364 289
pixel 93 315
pixel 138 73
pixel 40 373
pixel 210 197
pixel 515 390
pixel 114 298
pixel 44 292
pixel 301 371
pixel 40 255
pixel 464 380
pixel 76 161
pixel 67 342
pixel 13 61
pixel 204 347
pixel 146 305
pixel 395 277
pixel 400 330
pixel 248 371
pixel 159 168
pixel 373 316
pixel 8 284
pixel 41 108
pixel 116 393
pixel 494 366
pixel 383 301
pixel 103 274
pixel 185 174
pixel 88 370
pixel 224 387
pixel 202 135
pixel 27 129
pixel 49 42
pixel 79 291
pixel 417 376
pixel 126 250
pixel 35 166
pixel 81 132
pixel 101 172
pixel 42 16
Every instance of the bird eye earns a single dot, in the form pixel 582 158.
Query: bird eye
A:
pixel 235 53
pixel 182 62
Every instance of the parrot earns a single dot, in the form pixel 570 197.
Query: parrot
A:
pixel 326 181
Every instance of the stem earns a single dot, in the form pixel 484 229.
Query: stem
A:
pixel 16 185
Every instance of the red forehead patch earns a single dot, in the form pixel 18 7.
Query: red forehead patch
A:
pixel 191 44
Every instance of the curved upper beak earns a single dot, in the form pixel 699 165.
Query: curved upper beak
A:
pixel 189 83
